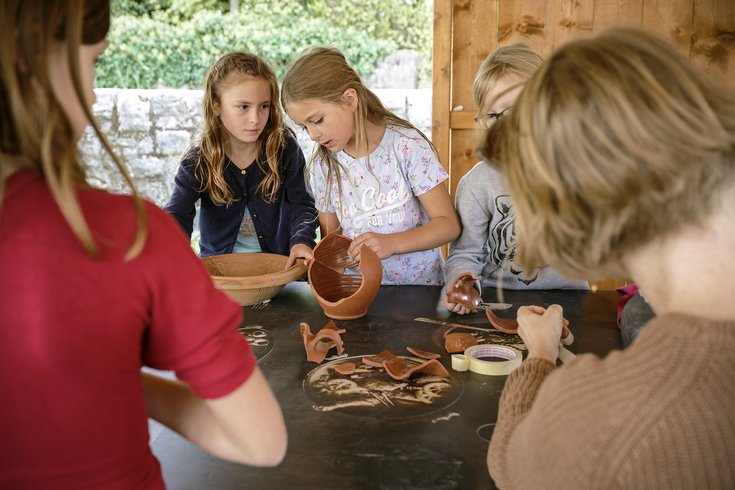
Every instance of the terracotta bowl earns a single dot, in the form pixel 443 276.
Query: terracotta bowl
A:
pixel 251 278
pixel 344 296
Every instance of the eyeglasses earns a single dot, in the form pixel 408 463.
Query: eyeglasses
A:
pixel 491 117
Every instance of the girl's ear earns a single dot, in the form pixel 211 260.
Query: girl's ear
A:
pixel 349 98
pixel 216 107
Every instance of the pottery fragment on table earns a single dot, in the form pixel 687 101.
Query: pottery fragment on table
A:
pixel 345 368
pixel 317 345
pixel 397 367
pixel 459 342
pixel 422 353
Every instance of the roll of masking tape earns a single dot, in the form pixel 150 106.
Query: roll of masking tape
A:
pixel 493 360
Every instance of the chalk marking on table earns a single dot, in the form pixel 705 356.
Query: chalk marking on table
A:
pixel 446 417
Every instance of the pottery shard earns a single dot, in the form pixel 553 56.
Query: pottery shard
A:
pixel 511 326
pixel 460 291
pixel 345 368
pixel 503 324
pixel 459 342
pixel 399 369
pixel 422 353
pixel 318 345
pixel 378 359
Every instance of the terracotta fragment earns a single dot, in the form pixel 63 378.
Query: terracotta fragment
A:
pixel 511 326
pixel 345 368
pixel 422 353
pixel 503 324
pixel 318 345
pixel 460 291
pixel 459 342
pixel 378 359
pixel 344 296
pixel 399 369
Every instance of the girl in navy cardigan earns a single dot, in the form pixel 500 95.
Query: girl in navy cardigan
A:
pixel 247 169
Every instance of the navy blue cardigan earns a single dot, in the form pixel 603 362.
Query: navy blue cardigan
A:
pixel 290 219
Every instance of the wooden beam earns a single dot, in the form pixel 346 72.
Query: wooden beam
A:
pixel 441 79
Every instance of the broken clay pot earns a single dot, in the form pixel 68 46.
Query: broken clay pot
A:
pixel 344 296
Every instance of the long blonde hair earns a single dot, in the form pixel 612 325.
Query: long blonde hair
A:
pixel 33 124
pixel 615 142
pixel 322 73
pixel 210 166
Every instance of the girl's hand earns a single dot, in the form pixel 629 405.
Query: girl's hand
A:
pixel 456 307
pixel 383 245
pixel 300 251
pixel 540 328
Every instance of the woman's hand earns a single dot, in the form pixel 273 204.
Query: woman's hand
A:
pixel 383 245
pixel 300 251
pixel 540 328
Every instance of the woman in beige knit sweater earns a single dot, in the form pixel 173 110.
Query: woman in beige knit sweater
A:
pixel 620 157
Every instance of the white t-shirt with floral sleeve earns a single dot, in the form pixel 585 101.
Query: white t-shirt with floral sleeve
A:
pixel 382 198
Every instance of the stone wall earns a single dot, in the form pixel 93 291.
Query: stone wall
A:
pixel 150 129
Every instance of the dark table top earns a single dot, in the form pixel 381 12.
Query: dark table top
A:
pixel 377 433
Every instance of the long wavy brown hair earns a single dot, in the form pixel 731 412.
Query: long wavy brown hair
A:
pixel 210 166
pixel 34 127
pixel 323 73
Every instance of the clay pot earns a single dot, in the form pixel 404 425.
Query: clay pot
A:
pixel 251 278
pixel 343 296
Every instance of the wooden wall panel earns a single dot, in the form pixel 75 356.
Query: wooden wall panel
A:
pixel 522 21
pixel 567 20
pixel 713 38
pixel 472 43
pixel 441 79
pixel 617 13
pixel 670 20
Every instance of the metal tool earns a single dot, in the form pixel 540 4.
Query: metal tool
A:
pixel 495 306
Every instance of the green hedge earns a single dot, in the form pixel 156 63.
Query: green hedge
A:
pixel 171 47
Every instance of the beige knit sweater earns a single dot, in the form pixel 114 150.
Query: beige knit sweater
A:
pixel 660 414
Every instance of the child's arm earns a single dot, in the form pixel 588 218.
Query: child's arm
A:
pixel 223 426
pixel 468 253
pixel 328 223
pixel 181 204
pixel 442 227
pixel 298 204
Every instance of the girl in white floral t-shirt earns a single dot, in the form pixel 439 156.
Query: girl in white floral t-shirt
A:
pixel 375 177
